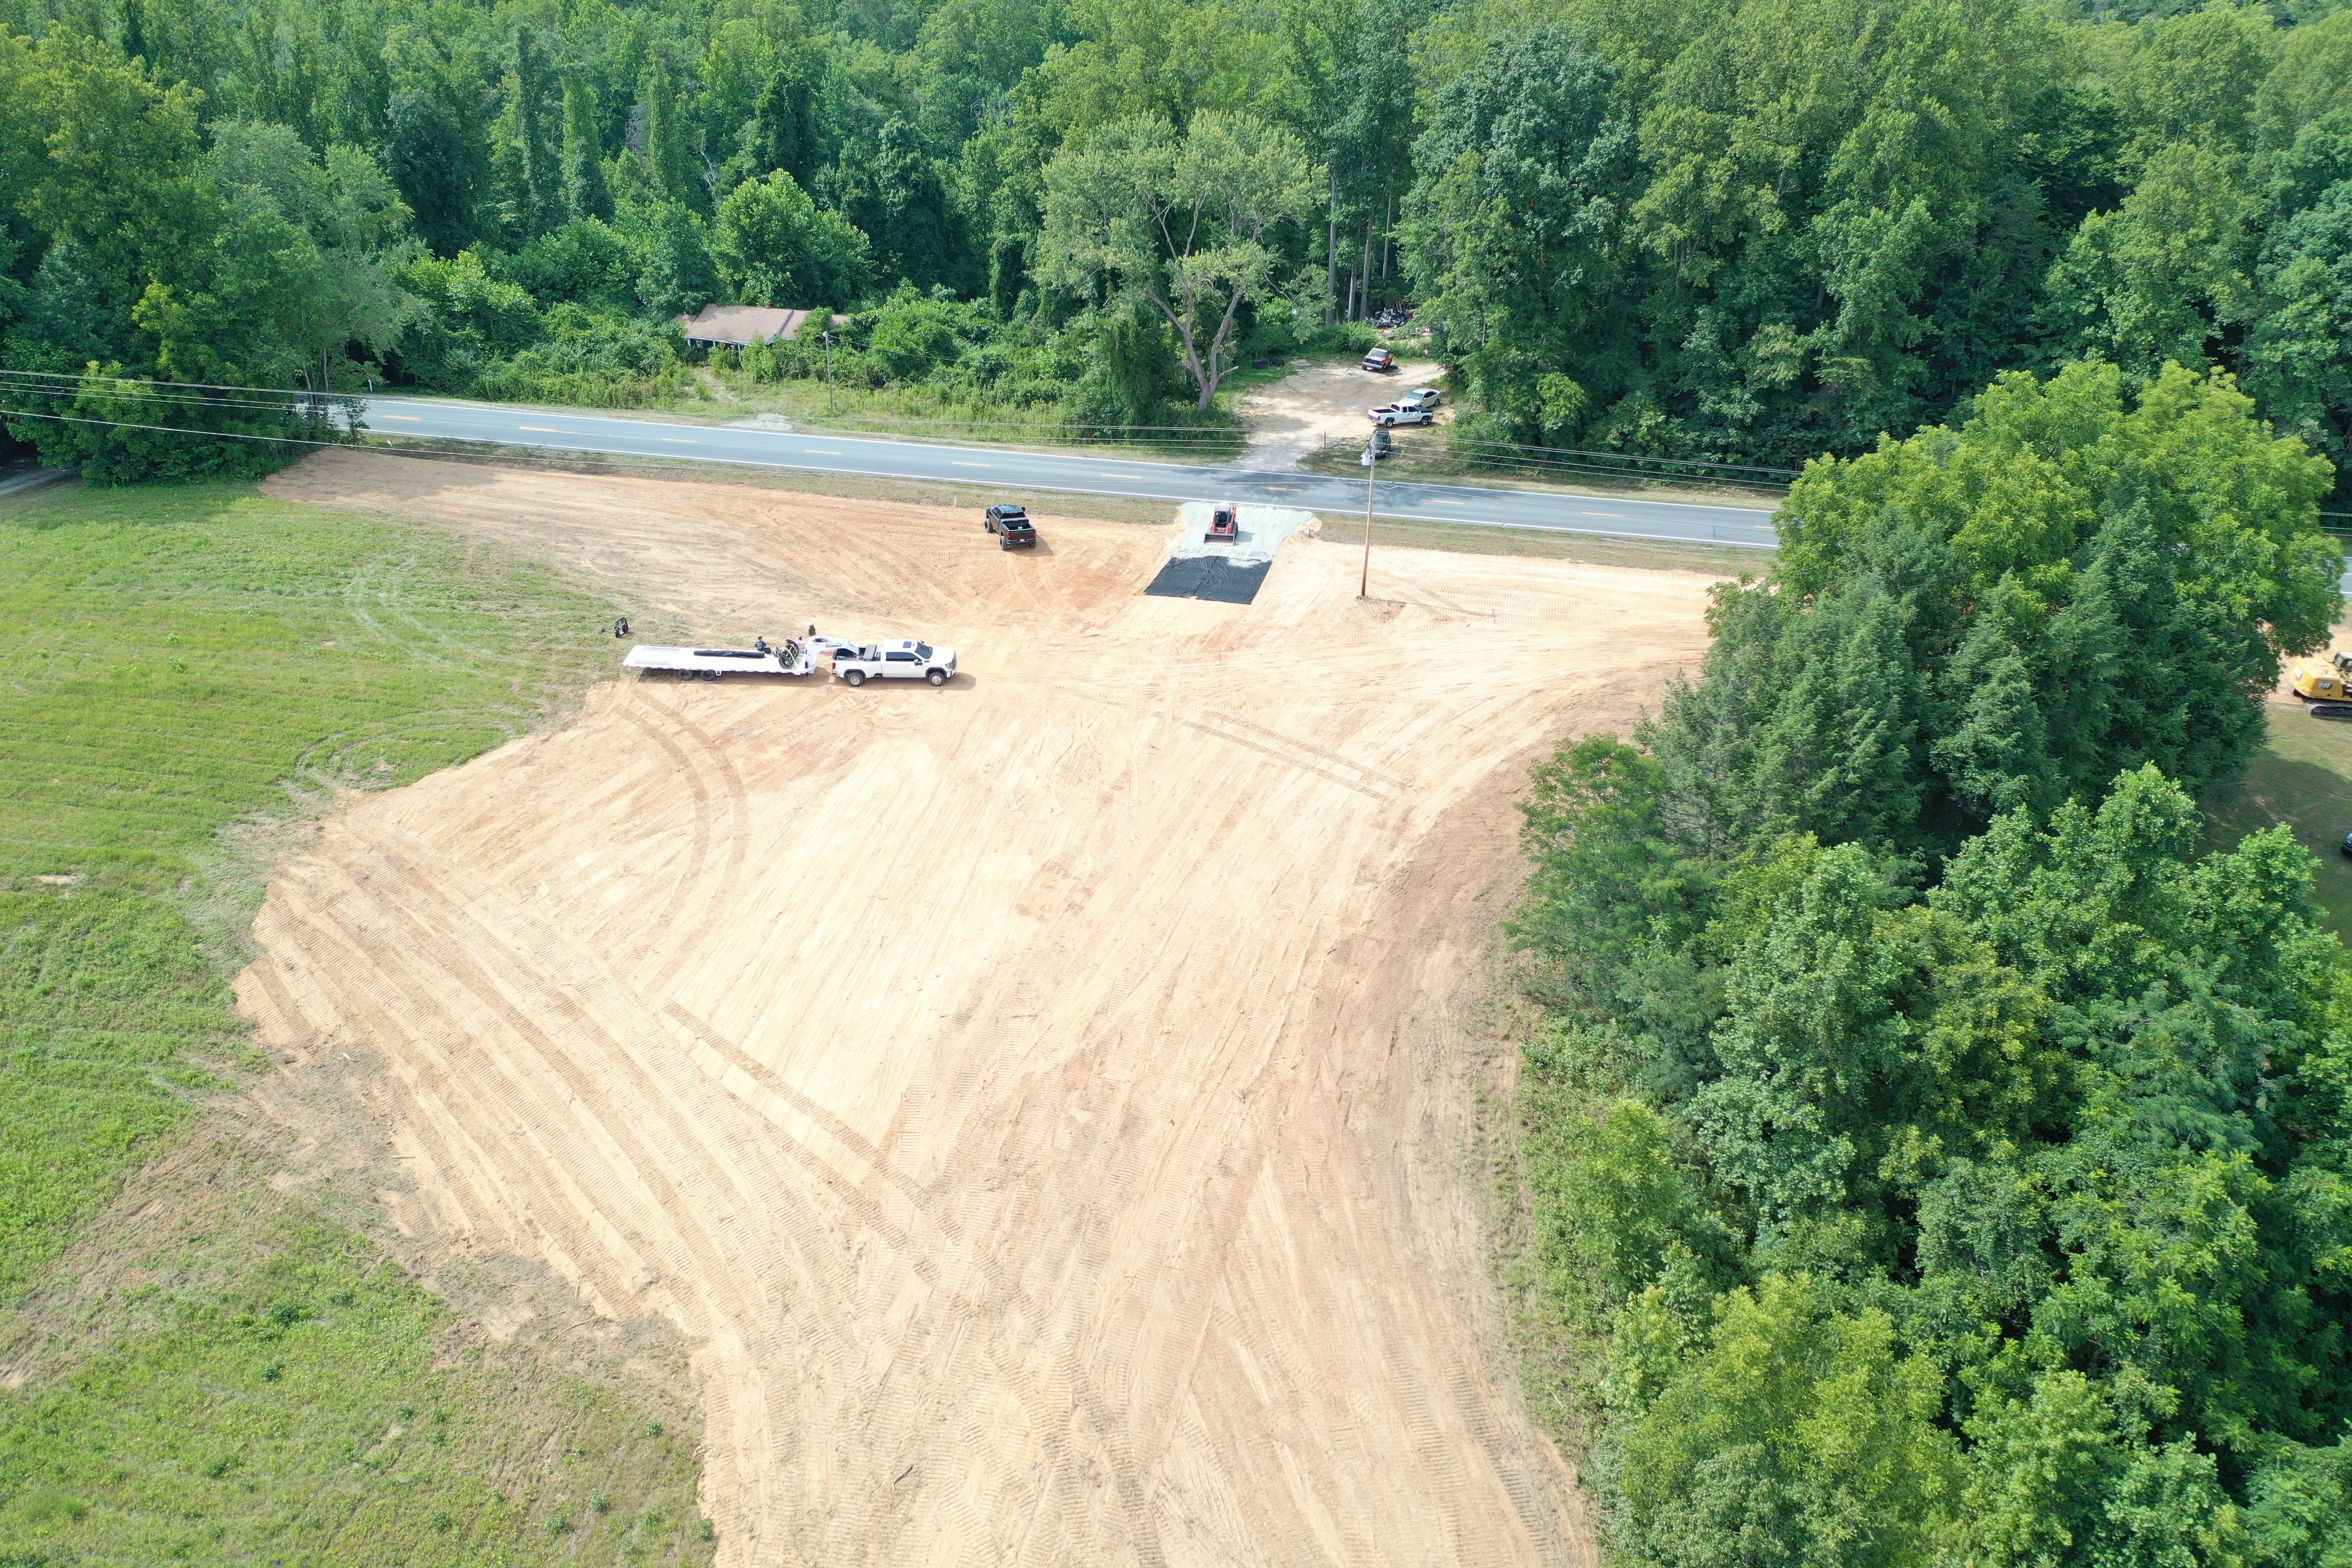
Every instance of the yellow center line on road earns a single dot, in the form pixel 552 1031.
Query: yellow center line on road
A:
pixel 550 430
pixel 955 464
pixel 410 417
pixel 821 452
pixel 1286 490
pixel 1435 500
pixel 680 440
pixel 1619 514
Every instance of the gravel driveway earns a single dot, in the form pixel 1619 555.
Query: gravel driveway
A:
pixel 1311 408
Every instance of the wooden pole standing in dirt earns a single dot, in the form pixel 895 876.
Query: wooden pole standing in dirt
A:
pixel 1372 469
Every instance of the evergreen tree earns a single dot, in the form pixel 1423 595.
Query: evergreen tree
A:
pixel 784 132
pixel 669 162
pixel 541 204
pixel 438 167
pixel 679 276
pixel 585 191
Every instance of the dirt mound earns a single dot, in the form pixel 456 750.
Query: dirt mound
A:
pixel 1040 1099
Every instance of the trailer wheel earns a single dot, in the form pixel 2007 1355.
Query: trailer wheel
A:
pixel 709 675
pixel 855 678
pixel 936 677
pixel 686 675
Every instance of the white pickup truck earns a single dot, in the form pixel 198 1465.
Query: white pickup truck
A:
pixel 794 656
pixel 903 659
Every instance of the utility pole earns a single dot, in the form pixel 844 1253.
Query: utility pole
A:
pixel 1372 470
pixel 827 336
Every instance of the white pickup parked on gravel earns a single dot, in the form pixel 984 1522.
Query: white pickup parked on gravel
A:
pixel 903 659
pixel 1418 406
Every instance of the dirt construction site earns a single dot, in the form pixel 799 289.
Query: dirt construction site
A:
pixel 1040 1101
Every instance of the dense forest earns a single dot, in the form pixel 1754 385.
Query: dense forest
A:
pixel 1950 1147
pixel 1742 230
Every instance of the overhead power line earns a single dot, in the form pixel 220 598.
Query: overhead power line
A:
pixel 294 402
pixel 179 385
pixel 1567 459
pixel 170 429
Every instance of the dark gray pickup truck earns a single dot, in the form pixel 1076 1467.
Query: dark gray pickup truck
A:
pixel 1012 526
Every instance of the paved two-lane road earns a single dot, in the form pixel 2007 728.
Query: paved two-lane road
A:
pixel 997 470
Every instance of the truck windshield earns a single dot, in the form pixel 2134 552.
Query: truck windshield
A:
pixel 923 650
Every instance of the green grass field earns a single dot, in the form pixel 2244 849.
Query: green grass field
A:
pixel 258 1385
pixel 175 659
pixel 263 1385
pixel 2302 778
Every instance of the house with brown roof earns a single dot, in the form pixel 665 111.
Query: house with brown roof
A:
pixel 740 326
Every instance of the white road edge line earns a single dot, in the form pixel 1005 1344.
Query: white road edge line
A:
pixel 1240 477
pixel 1170 495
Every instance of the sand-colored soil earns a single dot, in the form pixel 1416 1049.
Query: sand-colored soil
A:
pixel 1041 1099
pixel 1308 410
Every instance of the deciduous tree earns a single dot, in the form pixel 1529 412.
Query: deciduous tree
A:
pixel 774 246
pixel 1180 222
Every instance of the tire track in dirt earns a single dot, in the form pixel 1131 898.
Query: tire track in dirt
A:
pixel 1347 764
pixel 617 1223
pixel 626 1142
pixel 710 760
pixel 1283 751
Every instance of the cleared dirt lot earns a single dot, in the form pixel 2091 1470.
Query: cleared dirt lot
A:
pixel 1310 409
pixel 1039 1099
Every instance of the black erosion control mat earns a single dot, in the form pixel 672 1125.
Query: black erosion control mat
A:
pixel 1209 577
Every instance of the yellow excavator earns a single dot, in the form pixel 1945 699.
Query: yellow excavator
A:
pixel 2326 688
